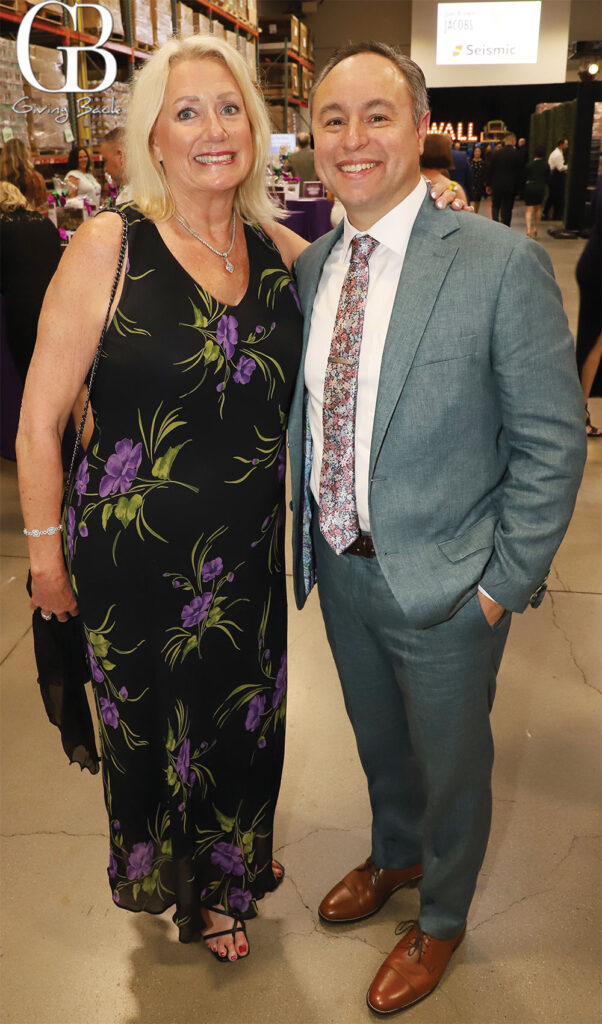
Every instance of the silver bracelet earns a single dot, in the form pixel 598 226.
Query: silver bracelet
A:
pixel 43 533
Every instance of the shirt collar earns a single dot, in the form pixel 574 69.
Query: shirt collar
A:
pixel 394 229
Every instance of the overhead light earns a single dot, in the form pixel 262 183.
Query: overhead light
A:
pixel 588 72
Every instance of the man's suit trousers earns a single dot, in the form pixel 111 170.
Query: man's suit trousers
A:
pixel 419 703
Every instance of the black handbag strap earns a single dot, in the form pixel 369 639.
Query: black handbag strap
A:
pixel 93 368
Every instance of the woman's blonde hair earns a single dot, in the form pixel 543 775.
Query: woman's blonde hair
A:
pixel 11 198
pixel 15 163
pixel 146 180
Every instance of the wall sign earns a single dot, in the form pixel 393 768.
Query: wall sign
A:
pixel 457 132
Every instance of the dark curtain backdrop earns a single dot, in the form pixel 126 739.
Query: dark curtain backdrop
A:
pixel 512 104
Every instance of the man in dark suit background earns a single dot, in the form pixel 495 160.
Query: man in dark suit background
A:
pixel 504 178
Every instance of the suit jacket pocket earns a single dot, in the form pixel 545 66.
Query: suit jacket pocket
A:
pixel 474 539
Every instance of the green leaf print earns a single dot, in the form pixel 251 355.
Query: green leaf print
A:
pixel 106 515
pixel 162 466
pixel 225 823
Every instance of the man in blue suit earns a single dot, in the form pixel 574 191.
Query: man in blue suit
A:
pixel 436 447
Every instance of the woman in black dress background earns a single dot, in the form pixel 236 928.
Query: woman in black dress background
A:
pixel 537 177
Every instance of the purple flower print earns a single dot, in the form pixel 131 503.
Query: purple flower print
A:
pixel 81 478
pixel 123 693
pixel 292 289
pixel 112 866
pixel 116 825
pixel 121 468
pixel 281 464
pixel 115 897
pixel 70 529
pixel 280 687
pixel 229 858
pixel 259 329
pixel 227 334
pixel 230 577
pixel 244 370
pixel 256 708
pixel 109 712
pixel 261 742
pixel 183 762
pixel 211 569
pixel 239 899
pixel 196 611
pixel 97 675
pixel 141 860
pixel 83 530
pixel 181 808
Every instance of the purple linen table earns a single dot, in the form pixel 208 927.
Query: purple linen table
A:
pixel 296 220
pixel 317 212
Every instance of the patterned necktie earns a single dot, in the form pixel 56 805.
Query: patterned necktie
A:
pixel 339 521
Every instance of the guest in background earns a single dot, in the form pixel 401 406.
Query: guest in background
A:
pixel 478 168
pixel 462 169
pixel 537 176
pixel 16 167
pixel 79 177
pixel 523 150
pixel 112 151
pixel 558 169
pixel 589 328
pixel 436 162
pixel 301 162
pixel 30 250
pixel 503 179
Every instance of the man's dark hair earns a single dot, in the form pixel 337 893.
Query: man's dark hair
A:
pixel 561 140
pixel 115 137
pixel 408 68
pixel 540 152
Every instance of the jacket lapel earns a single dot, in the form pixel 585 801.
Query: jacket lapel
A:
pixel 430 253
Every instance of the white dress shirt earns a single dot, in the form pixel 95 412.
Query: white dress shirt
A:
pixel 393 234
pixel 556 160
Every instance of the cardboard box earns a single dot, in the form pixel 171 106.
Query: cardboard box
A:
pixel 162 21
pixel 203 23
pixel 277 30
pixel 307 80
pixel 303 40
pixel 142 22
pixel 89 18
pixel 273 78
pixel 186 20
pixel 252 13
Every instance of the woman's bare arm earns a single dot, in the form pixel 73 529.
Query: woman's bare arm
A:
pixel 70 323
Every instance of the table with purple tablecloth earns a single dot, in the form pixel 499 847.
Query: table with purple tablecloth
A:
pixel 317 216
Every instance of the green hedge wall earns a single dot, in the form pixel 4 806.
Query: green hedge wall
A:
pixel 549 126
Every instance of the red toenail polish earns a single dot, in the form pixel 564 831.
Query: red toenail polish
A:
pixel 223 953
pixel 243 949
pixel 233 958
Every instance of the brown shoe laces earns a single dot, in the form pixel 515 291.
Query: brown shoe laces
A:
pixel 420 943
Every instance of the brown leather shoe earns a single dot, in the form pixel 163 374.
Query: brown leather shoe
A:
pixel 364 891
pixel 412 970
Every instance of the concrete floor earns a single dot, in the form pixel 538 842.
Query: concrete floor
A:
pixel 532 952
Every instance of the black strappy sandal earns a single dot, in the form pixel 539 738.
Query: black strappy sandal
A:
pixel 238 926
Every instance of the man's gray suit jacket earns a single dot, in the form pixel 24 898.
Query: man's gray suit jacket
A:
pixel 478 443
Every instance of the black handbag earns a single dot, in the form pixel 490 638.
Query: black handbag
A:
pixel 60 647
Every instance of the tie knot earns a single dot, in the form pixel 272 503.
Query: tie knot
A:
pixel 362 247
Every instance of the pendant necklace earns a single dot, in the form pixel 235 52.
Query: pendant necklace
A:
pixel 224 255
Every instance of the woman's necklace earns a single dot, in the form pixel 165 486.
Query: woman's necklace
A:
pixel 224 255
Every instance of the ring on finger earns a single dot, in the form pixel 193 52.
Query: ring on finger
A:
pixel 453 186
pixel 46 615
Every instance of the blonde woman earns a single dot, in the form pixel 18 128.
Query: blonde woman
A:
pixel 173 532
pixel 16 167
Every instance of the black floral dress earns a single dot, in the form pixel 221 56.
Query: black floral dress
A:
pixel 174 540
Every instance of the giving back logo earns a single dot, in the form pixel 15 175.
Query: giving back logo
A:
pixel 71 52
